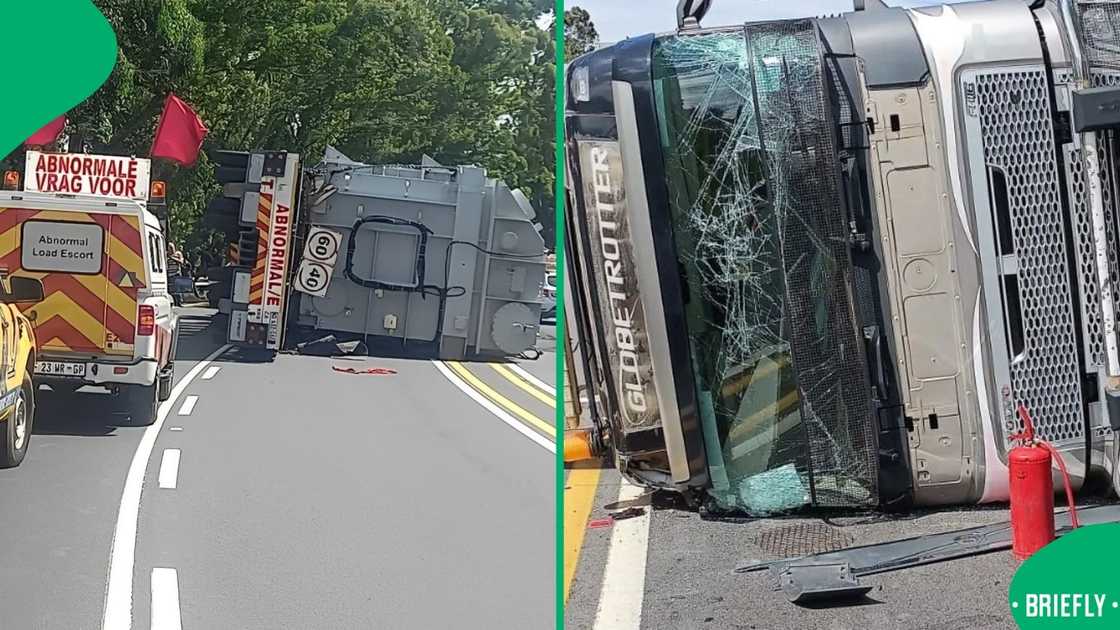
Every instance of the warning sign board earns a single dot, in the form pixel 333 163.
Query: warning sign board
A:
pixel 88 175
pixel 319 256
pixel 62 246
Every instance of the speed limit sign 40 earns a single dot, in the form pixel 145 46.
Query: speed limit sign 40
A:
pixel 313 278
pixel 320 253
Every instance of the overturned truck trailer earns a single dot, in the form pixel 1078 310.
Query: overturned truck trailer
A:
pixel 821 261
pixel 419 256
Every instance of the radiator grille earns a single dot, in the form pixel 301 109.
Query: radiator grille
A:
pixel 1101 28
pixel 1091 319
pixel 1018 138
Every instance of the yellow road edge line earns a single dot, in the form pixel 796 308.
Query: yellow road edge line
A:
pixel 524 385
pixel 500 400
pixel 579 497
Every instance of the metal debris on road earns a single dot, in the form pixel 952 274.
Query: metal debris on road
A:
pixel 918 550
pixel 330 346
pixel 631 512
pixel 803 584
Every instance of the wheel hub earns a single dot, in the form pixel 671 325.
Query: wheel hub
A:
pixel 20 418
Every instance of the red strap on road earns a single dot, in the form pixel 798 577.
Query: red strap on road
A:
pixel 374 371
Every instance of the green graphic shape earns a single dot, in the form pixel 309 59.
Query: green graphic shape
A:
pixel 1070 583
pixel 60 53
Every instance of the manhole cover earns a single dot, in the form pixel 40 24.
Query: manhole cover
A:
pixel 802 539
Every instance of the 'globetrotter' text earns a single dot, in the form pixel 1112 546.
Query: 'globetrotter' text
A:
pixel 622 310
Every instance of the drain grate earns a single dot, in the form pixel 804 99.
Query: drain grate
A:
pixel 802 539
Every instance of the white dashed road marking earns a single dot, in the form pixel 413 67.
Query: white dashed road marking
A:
pixel 122 559
pixel 210 372
pixel 169 468
pixel 165 600
pixel 188 405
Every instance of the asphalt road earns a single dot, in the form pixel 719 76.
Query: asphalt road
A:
pixel 301 497
pixel 686 577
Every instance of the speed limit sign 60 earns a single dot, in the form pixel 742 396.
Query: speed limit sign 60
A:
pixel 322 245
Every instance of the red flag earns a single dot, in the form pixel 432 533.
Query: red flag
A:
pixel 179 134
pixel 48 134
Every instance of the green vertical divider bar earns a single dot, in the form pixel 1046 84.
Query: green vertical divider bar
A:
pixel 561 346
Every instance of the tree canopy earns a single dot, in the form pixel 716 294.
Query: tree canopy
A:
pixel 580 34
pixel 386 81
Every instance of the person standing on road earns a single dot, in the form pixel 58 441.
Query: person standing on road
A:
pixel 174 260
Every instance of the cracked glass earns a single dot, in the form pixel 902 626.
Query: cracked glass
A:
pixel 763 279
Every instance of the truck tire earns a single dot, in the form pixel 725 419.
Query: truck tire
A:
pixel 247 247
pixel 141 403
pixel 217 291
pixel 16 434
pixel 165 380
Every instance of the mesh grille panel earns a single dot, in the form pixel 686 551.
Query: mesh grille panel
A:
pixel 1018 138
pixel 1083 234
pixel 827 354
pixel 1101 28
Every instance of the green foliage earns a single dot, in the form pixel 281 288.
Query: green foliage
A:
pixel 386 81
pixel 580 35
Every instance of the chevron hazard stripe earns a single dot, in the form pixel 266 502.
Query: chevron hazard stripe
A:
pixel 264 222
pixel 83 312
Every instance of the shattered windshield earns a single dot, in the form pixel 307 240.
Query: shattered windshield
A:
pixel 732 140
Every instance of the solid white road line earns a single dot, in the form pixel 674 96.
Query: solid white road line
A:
pixel 165 600
pixel 210 372
pixel 169 468
pixel 523 373
pixel 624 579
pixel 188 405
pixel 118 593
pixel 492 408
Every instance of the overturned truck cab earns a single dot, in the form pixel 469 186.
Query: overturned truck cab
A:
pixel 820 262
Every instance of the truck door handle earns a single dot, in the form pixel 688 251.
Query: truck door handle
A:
pixel 871 334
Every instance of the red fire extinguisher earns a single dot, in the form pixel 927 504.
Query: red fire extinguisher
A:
pixel 1032 491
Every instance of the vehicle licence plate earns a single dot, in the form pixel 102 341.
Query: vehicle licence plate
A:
pixel 60 368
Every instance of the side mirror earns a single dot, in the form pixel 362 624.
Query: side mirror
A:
pixel 24 290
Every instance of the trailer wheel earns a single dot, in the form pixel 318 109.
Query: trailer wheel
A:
pixel 141 403
pixel 16 434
